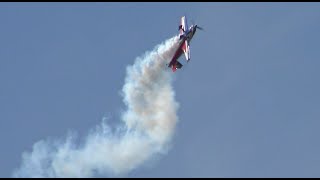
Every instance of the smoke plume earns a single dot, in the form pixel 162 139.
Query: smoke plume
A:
pixel 145 132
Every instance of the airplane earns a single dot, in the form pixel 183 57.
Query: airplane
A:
pixel 185 36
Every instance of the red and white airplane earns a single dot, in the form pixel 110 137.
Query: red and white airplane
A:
pixel 185 35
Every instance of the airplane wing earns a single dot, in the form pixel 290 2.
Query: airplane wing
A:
pixel 186 49
pixel 183 26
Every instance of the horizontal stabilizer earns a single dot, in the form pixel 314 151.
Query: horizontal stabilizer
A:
pixel 178 65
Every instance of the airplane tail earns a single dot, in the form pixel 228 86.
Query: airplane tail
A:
pixel 178 65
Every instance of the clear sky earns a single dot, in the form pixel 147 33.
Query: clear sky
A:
pixel 249 98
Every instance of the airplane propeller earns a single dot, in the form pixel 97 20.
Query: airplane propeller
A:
pixel 198 27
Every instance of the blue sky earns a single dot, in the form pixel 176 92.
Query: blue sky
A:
pixel 249 98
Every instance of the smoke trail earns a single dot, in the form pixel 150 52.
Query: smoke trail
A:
pixel 148 125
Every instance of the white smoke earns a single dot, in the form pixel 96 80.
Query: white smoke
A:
pixel 148 125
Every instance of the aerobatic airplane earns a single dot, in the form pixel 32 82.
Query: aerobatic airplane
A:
pixel 185 35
